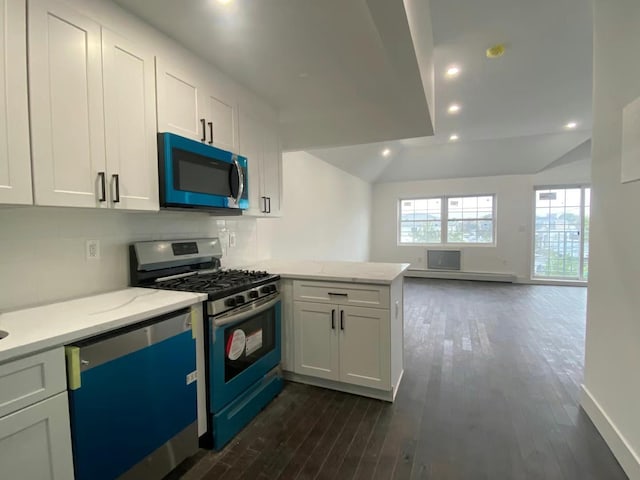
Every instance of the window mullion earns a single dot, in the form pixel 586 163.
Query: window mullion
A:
pixel 444 220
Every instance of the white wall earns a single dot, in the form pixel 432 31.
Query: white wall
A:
pixel 613 318
pixel 327 213
pixel 514 207
pixel 42 250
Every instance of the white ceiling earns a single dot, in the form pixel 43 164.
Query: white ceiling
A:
pixel 513 108
pixel 341 72
pixel 364 84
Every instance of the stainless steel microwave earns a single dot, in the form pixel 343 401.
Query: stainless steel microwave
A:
pixel 193 175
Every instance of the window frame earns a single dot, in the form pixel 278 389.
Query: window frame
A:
pixel 563 186
pixel 444 221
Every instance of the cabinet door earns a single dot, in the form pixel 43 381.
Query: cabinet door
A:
pixel 35 442
pixel 221 113
pixel 178 97
pixel 67 115
pixel 251 147
pixel 130 120
pixel 15 155
pixel 365 347
pixel 272 170
pixel 316 337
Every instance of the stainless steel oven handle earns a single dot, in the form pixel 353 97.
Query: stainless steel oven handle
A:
pixel 256 308
pixel 240 178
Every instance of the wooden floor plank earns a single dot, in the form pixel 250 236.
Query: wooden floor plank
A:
pixel 491 390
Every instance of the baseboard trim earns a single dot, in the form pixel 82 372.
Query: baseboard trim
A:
pixel 626 456
pixel 396 387
pixel 454 275
pixel 387 396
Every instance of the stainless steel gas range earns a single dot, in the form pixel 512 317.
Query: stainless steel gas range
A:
pixel 241 341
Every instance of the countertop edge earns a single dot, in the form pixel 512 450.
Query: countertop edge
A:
pixel 48 343
pixel 336 278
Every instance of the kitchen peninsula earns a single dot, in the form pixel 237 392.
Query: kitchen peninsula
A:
pixel 342 324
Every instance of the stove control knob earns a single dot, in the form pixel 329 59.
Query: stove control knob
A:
pixel 264 290
pixel 230 302
pixel 253 294
pixel 239 299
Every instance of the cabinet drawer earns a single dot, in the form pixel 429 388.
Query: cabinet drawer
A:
pixel 29 380
pixel 356 294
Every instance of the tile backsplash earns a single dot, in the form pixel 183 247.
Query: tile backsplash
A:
pixel 43 254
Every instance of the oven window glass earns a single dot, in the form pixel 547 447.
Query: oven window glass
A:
pixel 248 341
pixel 195 173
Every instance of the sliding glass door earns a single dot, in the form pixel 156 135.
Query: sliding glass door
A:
pixel 561 243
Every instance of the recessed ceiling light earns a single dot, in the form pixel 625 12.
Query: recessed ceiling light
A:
pixel 386 152
pixel 453 108
pixel 571 125
pixel 454 137
pixel 453 71
pixel 225 2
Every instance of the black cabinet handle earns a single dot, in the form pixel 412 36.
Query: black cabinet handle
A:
pixel 103 187
pixel 341 319
pixel 264 209
pixel 116 181
pixel 333 319
pixel 204 130
pixel 211 133
pixel 269 203
pixel 339 294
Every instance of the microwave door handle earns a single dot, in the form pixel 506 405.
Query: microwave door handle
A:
pixel 240 178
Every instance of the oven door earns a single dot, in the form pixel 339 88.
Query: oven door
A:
pixel 196 175
pixel 244 345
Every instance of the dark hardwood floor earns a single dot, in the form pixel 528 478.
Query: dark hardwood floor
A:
pixel 490 391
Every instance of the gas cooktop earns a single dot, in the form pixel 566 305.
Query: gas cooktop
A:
pixel 216 284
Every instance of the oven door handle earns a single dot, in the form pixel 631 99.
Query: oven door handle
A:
pixel 256 309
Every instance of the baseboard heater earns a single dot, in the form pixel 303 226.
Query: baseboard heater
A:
pixel 443 259
pixel 447 264
pixel 459 275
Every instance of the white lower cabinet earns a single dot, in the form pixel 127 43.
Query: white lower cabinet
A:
pixel 35 442
pixel 35 437
pixel 331 340
pixel 343 343
pixel 317 343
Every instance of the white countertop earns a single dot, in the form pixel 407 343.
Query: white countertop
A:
pixel 363 272
pixel 35 329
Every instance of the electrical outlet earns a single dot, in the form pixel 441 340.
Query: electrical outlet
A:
pixel 232 239
pixel 93 249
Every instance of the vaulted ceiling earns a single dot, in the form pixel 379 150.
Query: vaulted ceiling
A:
pixel 340 72
pixel 513 109
pixel 351 77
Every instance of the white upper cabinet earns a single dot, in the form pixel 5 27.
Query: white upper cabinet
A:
pixel 130 120
pixel 260 143
pixel 67 115
pixel 93 118
pixel 250 132
pixel 178 98
pixel 220 113
pixel 194 105
pixel 15 155
pixel 272 170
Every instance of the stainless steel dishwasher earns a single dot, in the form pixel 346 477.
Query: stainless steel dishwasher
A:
pixel 132 395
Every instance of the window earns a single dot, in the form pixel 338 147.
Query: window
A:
pixel 459 219
pixel 561 242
